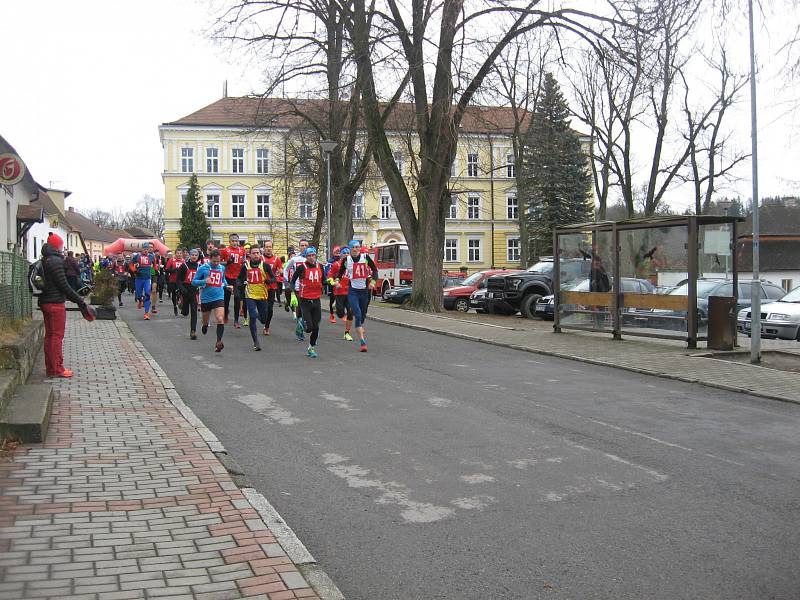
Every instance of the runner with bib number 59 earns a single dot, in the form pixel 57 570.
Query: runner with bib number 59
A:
pixel 210 278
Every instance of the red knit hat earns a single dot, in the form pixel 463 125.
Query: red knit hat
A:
pixel 55 241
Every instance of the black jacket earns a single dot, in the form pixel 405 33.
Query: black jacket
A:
pixel 56 288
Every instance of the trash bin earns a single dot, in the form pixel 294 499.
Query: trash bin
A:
pixel 721 322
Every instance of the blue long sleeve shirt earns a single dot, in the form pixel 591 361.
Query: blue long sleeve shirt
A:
pixel 211 281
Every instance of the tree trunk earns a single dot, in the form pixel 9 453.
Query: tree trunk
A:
pixel 428 257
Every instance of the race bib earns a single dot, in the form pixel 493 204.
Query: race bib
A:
pixel 360 270
pixel 144 261
pixel 254 276
pixel 214 279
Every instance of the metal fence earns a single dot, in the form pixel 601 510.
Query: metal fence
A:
pixel 15 297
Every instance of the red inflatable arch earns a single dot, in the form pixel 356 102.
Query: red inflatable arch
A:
pixel 134 245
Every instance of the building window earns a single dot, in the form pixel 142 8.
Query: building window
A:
pixel 512 210
pixel 237 160
pixel 212 206
pixel 187 160
pixel 262 160
pixel 474 250
pixel 181 201
pixel 473 207
pixel 304 161
pixel 212 160
pixel 398 160
pixel 358 206
pixel 512 249
pixel 305 204
pixel 262 206
pixel 451 250
pixel 237 206
pixel 386 206
pixel 511 168
pixel 472 165
pixel 453 167
pixel 452 210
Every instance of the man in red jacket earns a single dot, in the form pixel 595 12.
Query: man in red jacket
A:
pixel 310 276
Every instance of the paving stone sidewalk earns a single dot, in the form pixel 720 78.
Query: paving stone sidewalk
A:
pixel 125 499
pixel 650 357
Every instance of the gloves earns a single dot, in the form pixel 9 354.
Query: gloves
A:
pixel 330 281
pixel 371 284
pixel 293 302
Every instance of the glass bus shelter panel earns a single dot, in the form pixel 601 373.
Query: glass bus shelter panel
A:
pixel 715 257
pixel 653 268
pixel 586 270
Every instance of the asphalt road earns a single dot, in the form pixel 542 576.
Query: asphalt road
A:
pixel 433 467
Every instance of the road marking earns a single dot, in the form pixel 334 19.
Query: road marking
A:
pixel 473 502
pixel 213 366
pixel 652 472
pixel 461 366
pixel 522 463
pixel 439 402
pixel 198 357
pixel 391 492
pixel 476 478
pixel 340 402
pixel 266 406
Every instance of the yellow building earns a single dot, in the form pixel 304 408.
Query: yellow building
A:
pixel 244 152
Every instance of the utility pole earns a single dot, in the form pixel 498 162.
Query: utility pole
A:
pixel 755 291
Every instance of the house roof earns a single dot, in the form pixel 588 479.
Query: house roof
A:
pixel 29 213
pixel 142 233
pixel 251 111
pixel 27 178
pixel 87 228
pixel 776 253
pixel 45 202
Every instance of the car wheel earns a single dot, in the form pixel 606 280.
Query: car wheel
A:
pixel 385 289
pixel 405 300
pixel 490 308
pixel 528 306
pixel 462 305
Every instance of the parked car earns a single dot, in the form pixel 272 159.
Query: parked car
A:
pixel 457 297
pixel 514 292
pixel 477 300
pixel 780 319
pixel 401 295
pixel 670 319
pixel 545 307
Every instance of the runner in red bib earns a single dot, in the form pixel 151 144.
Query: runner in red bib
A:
pixel 233 257
pixel 184 277
pixel 310 276
pixel 173 264
pixel 276 286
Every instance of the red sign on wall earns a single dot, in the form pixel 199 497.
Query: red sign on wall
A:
pixel 12 169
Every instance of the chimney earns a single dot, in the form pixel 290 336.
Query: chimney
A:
pixel 225 89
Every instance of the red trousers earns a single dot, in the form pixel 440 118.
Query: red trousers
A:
pixel 55 320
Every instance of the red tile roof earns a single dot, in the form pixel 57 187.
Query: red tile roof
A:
pixel 251 111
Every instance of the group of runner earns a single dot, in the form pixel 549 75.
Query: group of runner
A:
pixel 254 278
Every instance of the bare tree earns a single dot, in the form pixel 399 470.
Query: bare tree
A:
pixel 149 213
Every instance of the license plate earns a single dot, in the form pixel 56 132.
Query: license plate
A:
pixel 539 309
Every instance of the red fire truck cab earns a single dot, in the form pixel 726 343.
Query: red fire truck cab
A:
pixel 394 265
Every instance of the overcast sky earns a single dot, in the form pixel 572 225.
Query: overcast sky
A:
pixel 87 83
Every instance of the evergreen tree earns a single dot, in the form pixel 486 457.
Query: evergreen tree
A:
pixel 194 225
pixel 557 181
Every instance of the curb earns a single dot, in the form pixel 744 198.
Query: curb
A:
pixel 306 564
pixel 590 361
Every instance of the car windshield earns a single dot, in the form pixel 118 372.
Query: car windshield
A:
pixel 541 267
pixel 473 279
pixel 581 286
pixel 793 296
pixel 704 288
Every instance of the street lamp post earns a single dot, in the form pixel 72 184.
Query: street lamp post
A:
pixel 755 293
pixel 328 146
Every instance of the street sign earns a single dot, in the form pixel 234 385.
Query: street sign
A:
pixel 12 169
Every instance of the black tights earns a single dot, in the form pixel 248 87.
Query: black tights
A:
pixel 237 300
pixel 312 315
pixel 190 306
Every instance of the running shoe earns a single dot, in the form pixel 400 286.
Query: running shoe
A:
pixel 175 310
pixel 193 336
pixel 204 329
pixel 286 307
pixel 121 304
pixel 155 310
pixel 347 336
pixel 246 322
pixel 298 331
pixel 257 348
pixel 312 352
pixel 139 304
pixel 363 347
pixel 332 319
pixel 218 346
pixel 266 331
pixel 236 325
pixel 146 316
pixel 66 373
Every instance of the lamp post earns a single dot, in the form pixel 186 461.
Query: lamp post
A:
pixel 755 292
pixel 328 146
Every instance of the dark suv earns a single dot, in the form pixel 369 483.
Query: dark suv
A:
pixel 507 294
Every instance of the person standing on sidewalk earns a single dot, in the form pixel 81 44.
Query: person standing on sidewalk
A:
pixel 72 270
pixel 307 280
pixel 255 277
pixel 361 271
pixel 142 265
pixel 184 277
pixel 52 304
pixel 210 278
pixel 232 256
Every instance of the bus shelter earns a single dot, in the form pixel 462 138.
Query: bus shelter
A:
pixel 651 277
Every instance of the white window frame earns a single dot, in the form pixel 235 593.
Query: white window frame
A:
pixel 305 205
pixel 513 249
pixel 216 206
pixel 261 205
pixel 238 201
pixel 512 206
pixel 212 160
pixel 474 251
pixel 359 209
pixel 452 210
pixel 473 207
pixel 472 164
pixel 511 166
pixel 386 208
pixel 187 160
pixel 262 161
pixel 237 160
pixel 453 247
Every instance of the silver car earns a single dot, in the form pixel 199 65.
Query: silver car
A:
pixel 780 319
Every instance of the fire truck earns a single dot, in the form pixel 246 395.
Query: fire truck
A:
pixel 394 265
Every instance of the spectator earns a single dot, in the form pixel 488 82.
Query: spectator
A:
pixel 72 269
pixel 51 302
